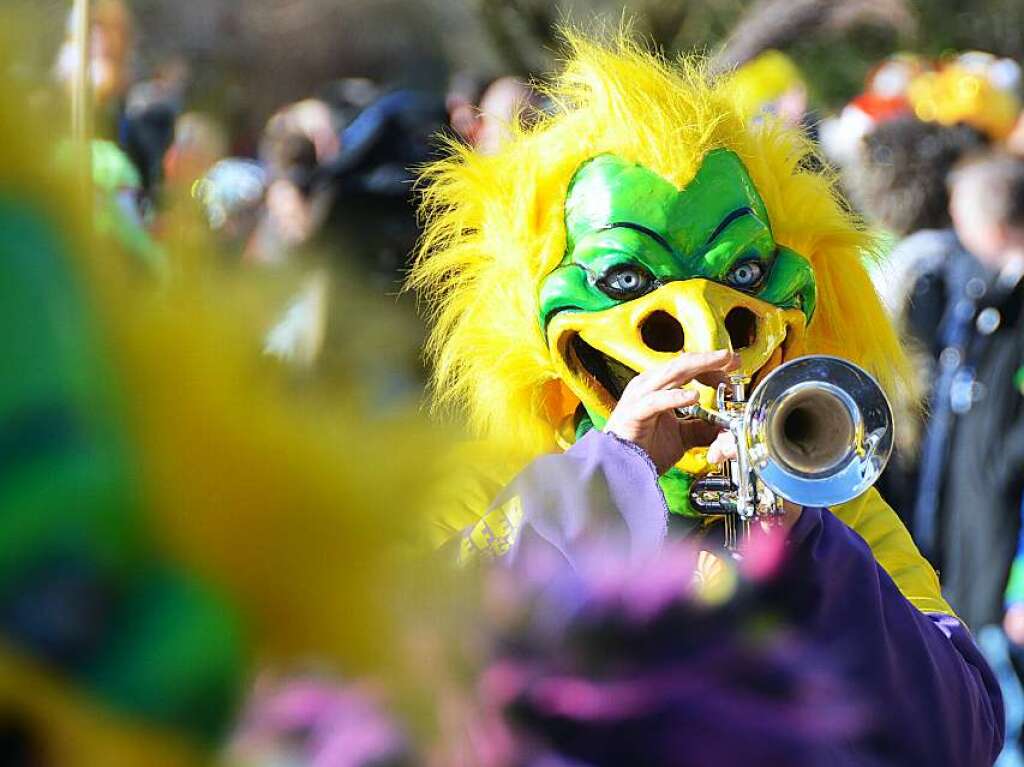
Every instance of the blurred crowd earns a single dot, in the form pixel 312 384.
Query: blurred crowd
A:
pixel 930 154
pixel 322 197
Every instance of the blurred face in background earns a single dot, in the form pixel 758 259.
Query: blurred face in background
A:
pixel 984 210
pixel 502 104
pixel 487 126
pixel 1015 141
pixel 309 120
pixel 460 102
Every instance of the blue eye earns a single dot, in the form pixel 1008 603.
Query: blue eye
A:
pixel 626 282
pixel 746 275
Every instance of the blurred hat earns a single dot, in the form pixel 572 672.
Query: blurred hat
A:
pixel 762 81
pixel 884 98
pixel 975 88
pixel 885 88
pixel 230 186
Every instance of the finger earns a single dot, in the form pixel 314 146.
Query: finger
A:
pixel 688 366
pixel 722 449
pixel 657 402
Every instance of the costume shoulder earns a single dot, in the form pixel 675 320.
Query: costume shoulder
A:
pixel 479 471
pixel 872 519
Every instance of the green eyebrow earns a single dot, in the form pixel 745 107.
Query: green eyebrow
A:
pixel 738 213
pixel 665 244
pixel 642 230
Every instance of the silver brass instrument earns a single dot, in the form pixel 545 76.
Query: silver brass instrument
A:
pixel 817 431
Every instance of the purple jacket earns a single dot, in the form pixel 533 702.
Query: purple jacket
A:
pixel 935 697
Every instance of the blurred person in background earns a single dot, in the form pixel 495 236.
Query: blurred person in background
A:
pixel 899 180
pixel 133 127
pixel 370 210
pixel 296 141
pixel 138 116
pixel 487 125
pixel 338 209
pixel 349 183
pixel 897 141
pixel 974 92
pixel 966 310
pixel 897 177
pixel 313 120
pixel 231 194
pixel 146 129
pixel 200 141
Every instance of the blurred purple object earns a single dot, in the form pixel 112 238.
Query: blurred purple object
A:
pixel 613 663
pixel 317 722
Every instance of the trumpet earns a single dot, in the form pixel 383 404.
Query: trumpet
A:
pixel 816 431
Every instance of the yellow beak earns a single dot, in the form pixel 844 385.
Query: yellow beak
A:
pixel 687 316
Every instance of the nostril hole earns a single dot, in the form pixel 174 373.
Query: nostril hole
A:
pixel 662 332
pixel 741 325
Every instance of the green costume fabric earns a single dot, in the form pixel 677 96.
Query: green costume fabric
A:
pixel 133 630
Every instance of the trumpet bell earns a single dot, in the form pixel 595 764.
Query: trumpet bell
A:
pixel 819 431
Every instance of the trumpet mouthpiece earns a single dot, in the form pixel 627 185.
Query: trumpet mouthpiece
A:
pixel 695 412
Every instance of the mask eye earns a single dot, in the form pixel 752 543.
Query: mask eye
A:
pixel 626 282
pixel 746 275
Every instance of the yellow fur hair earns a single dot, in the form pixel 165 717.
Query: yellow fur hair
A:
pixel 296 511
pixel 495 228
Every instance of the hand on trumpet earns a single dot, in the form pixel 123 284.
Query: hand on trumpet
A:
pixel 645 414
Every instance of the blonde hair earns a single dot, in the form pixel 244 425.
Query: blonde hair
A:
pixel 495 227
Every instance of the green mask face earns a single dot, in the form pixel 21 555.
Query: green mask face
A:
pixel 650 271
pixel 630 231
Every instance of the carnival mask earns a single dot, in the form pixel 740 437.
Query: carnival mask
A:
pixel 651 271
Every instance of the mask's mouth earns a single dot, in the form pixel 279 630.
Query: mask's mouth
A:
pixel 608 377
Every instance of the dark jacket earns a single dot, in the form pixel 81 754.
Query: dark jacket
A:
pixel 971 322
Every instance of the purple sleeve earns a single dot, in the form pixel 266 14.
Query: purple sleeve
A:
pixel 941 702
pixel 943 705
pixel 603 491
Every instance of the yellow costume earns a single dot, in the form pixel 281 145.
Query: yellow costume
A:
pixel 644 195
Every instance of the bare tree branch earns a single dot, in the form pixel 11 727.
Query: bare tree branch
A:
pixel 780 23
